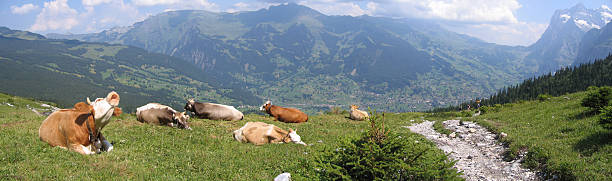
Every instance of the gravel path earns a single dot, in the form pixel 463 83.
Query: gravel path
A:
pixel 478 153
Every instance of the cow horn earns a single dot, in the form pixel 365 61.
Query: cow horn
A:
pixel 88 101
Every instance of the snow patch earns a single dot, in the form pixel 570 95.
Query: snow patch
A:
pixel 565 17
pixel 606 17
pixel 584 25
pixel 603 6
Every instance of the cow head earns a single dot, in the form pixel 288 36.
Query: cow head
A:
pixel 90 112
pixel 104 107
pixel 353 107
pixel 295 138
pixel 265 107
pixel 181 119
pixel 190 105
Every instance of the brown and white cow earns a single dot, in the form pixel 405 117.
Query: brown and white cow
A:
pixel 79 128
pixel 155 113
pixel 357 114
pixel 213 111
pixel 260 133
pixel 287 115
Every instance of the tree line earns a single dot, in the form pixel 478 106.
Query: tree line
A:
pixel 563 81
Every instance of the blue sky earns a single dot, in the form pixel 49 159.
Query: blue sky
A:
pixel 509 22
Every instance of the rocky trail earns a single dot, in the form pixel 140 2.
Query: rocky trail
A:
pixel 478 153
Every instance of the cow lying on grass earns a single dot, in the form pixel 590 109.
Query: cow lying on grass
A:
pixel 357 114
pixel 155 113
pixel 213 111
pixel 260 133
pixel 287 115
pixel 78 129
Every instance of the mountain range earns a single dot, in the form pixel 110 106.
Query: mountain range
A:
pixel 298 57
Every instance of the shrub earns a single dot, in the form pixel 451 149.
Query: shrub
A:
pixel 465 113
pixel 598 98
pixel 605 118
pixel 380 154
pixel 484 109
pixel 544 97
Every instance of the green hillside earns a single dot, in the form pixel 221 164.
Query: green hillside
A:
pixel 208 152
pixel 67 71
pixel 558 135
pixel 563 81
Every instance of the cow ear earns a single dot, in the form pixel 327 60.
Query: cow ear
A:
pixel 291 130
pixel 113 98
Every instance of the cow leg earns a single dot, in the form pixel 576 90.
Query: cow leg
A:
pixel 106 146
pixel 81 149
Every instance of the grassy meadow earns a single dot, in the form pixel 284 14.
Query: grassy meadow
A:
pixel 560 136
pixel 142 151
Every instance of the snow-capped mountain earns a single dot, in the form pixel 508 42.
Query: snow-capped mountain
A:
pixel 559 45
pixel 583 18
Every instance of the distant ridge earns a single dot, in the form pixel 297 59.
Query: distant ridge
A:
pixel 68 71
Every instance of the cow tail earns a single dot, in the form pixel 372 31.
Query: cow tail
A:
pixel 241 118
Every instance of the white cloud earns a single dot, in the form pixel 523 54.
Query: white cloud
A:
pixel 56 15
pixel 106 16
pixel 154 2
pixel 179 4
pixel 453 10
pixel 23 9
pixel 94 2
pixel 473 11
pixel 520 33
pixel 491 21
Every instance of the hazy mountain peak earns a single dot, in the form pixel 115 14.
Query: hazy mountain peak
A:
pixel 6 32
pixel 290 10
pixel 578 7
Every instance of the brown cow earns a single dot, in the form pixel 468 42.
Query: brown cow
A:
pixel 287 115
pixel 79 128
pixel 73 129
pixel 260 133
pixel 155 113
